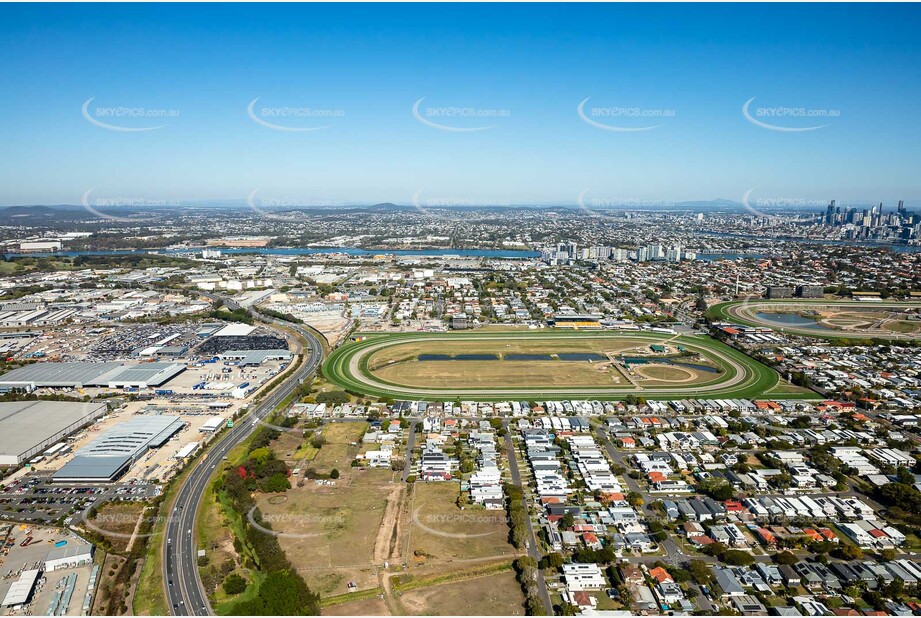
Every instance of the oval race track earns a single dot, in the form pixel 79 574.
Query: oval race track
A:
pixel 741 377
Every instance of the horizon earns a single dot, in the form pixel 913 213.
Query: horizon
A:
pixel 482 103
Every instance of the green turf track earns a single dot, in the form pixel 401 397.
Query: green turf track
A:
pixel 722 313
pixel 757 379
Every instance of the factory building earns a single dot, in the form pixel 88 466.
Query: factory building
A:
pixel 27 428
pixel 80 375
pixel 110 455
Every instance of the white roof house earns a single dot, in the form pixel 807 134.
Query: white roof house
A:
pixel 579 576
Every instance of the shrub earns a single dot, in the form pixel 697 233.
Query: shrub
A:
pixel 234 584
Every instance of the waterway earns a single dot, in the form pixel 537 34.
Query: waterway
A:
pixel 645 360
pixel 791 319
pixel 487 253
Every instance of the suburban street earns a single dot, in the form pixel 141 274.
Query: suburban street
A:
pixel 533 550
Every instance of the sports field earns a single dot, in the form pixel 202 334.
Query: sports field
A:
pixel 487 365
pixel 829 319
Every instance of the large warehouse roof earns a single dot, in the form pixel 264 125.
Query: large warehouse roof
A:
pixel 109 455
pixel 57 374
pixel 150 374
pixel 78 375
pixel 255 357
pixel 28 427
pixel 134 435
pixel 21 589
pixel 235 330
pixel 92 469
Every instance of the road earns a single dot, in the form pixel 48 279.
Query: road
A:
pixel 184 592
pixel 533 548
pixel 673 553
pixel 410 444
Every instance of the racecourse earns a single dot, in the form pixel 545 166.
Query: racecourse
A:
pixel 835 319
pixel 738 376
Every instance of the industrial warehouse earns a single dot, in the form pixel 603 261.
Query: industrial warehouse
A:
pixel 27 428
pixel 110 455
pixel 79 375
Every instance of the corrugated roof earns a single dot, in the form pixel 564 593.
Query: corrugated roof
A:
pixel 74 375
pixel 25 425
pixel 109 454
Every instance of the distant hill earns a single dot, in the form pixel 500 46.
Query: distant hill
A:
pixel 28 211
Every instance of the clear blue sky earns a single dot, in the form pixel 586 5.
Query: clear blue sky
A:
pixel 539 62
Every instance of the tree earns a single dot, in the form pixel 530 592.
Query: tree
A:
pixel 716 488
pixel 567 521
pixel 260 456
pixel 635 499
pixel 234 584
pixel 333 397
pixel 905 476
pixel 276 483
pixel 700 572
pixel 786 557
pixel 737 557
pixel 334 474
pixel 552 560
pixel 849 552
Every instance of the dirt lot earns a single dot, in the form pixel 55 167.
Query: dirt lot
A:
pixel 330 529
pixel 119 519
pixel 492 595
pixel 442 532
pixel 337 531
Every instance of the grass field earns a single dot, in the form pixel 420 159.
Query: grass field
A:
pixel 389 366
pixel 442 532
pixel 375 606
pixel 330 532
pixel 492 374
pixel 119 518
pixel 498 594
pixel 341 446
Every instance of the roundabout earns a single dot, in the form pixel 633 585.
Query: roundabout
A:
pixel 503 365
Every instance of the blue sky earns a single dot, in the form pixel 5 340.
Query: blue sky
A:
pixel 371 63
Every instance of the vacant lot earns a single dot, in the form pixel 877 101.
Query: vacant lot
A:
pixel 117 521
pixel 344 433
pixel 442 532
pixel 491 595
pixel 342 442
pixel 329 531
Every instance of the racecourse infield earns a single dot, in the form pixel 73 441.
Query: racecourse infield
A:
pixel 830 319
pixel 388 366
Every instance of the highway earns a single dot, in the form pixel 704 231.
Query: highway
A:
pixel 183 588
